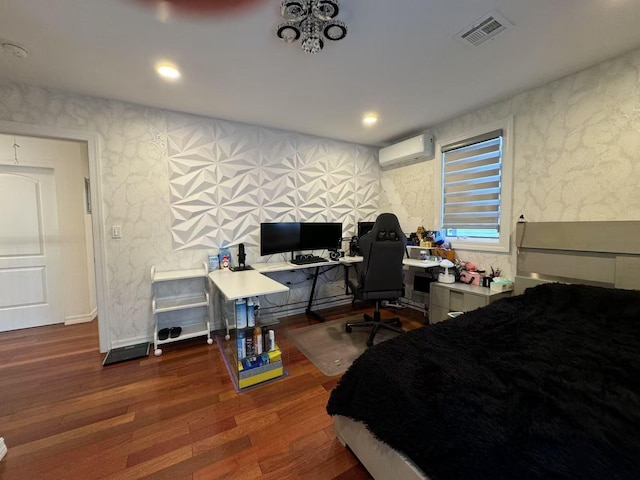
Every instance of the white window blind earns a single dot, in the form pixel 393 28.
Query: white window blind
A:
pixel 472 184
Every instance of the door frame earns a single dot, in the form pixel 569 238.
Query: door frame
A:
pixel 92 140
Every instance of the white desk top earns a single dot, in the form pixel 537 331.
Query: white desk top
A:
pixel 248 283
pixel 350 260
pixel 410 262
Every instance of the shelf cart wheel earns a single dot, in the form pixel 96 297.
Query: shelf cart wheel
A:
pixel 227 336
pixel 348 329
pixel 210 341
pixel 157 352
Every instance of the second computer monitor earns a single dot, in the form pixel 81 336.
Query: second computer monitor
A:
pixel 364 228
pixel 320 235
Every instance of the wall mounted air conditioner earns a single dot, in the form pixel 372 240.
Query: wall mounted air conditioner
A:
pixel 416 148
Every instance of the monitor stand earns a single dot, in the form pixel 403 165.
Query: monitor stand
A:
pixel 241 268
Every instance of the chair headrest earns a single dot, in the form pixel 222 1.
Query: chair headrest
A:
pixel 387 228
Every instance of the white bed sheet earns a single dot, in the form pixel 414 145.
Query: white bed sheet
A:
pixel 380 460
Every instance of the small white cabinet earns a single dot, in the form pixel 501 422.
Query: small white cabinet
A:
pixel 181 306
pixel 459 297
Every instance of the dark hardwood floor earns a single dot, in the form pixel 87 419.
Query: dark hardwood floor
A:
pixel 65 416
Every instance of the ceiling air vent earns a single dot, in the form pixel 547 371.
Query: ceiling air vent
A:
pixel 484 29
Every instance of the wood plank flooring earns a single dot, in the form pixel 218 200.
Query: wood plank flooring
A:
pixel 64 416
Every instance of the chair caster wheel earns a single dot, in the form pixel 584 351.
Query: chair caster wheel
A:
pixel 369 343
pixel 348 329
pixel 398 324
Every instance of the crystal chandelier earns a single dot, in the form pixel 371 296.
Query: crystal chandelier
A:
pixel 311 21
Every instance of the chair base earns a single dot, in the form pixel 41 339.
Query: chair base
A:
pixel 377 323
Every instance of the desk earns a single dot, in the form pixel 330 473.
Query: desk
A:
pixel 409 262
pixel 255 366
pixel 412 262
pixel 244 284
pixel 287 266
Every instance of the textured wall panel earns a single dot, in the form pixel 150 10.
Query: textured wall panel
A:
pixel 225 179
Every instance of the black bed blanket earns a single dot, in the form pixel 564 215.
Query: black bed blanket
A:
pixel 544 385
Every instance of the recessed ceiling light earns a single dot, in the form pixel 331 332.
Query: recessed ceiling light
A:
pixel 370 119
pixel 168 71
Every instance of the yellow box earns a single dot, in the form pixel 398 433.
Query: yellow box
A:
pixel 276 371
pixel 269 371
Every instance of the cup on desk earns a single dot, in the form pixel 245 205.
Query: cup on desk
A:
pixel 486 281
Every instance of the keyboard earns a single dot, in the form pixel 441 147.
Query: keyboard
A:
pixel 308 260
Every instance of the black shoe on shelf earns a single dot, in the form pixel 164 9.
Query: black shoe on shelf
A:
pixel 163 334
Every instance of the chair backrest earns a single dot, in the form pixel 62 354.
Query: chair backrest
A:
pixel 383 250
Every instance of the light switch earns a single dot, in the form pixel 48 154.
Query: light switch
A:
pixel 116 231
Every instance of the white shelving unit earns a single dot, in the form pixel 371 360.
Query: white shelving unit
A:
pixel 166 300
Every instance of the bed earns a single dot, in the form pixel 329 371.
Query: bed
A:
pixel 545 384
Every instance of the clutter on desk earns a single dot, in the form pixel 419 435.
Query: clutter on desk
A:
pixel 447 275
pixel 469 273
pixel 425 238
pixel 225 258
pixel 501 284
pixel 445 253
pixel 214 262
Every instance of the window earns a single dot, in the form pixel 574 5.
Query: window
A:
pixel 475 199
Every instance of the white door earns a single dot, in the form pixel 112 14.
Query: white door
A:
pixel 29 252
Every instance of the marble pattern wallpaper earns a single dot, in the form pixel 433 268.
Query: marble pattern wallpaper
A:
pixel 181 186
pixel 576 154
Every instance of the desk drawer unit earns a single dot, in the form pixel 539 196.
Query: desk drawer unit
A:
pixel 459 297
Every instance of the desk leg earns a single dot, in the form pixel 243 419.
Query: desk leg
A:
pixel 311 294
pixel 346 279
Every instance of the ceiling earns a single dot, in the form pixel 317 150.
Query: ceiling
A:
pixel 399 58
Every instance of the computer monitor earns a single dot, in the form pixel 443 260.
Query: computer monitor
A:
pixel 320 235
pixel 364 228
pixel 279 237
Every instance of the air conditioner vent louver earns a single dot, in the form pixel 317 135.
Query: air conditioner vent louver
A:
pixel 484 29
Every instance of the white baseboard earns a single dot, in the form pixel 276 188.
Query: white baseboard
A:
pixel 72 320
pixel 3 448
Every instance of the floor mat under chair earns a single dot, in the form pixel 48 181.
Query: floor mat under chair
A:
pixel 330 348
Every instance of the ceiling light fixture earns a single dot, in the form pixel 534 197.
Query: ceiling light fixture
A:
pixel 168 71
pixel 311 21
pixel 370 119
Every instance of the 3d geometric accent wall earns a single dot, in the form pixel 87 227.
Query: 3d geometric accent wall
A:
pixel 227 178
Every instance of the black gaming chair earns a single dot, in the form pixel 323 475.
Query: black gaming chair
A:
pixel 380 275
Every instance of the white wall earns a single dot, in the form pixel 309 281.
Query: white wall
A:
pixel 70 163
pixel 577 155
pixel 143 184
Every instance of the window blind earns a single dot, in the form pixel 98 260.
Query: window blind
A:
pixel 472 180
